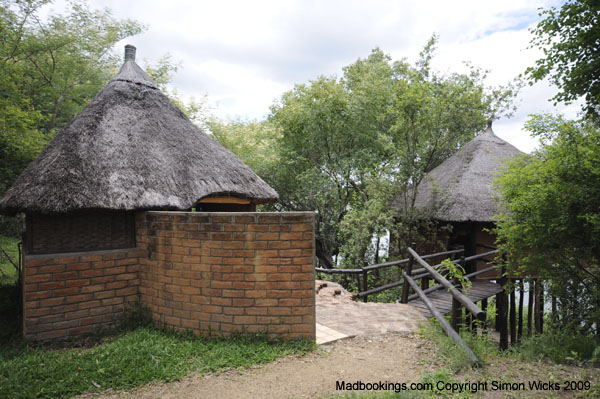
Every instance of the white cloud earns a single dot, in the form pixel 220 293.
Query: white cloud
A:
pixel 245 54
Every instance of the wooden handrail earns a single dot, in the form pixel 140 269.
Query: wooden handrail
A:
pixel 439 287
pixel 380 288
pixel 338 271
pixel 459 296
pixel 443 323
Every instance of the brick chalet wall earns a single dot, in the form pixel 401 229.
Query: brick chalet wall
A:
pixel 209 273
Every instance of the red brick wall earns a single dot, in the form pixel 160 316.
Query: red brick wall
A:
pixel 230 272
pixel 204 272
pixel 72 294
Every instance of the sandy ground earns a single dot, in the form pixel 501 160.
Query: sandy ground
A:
pixel 385 358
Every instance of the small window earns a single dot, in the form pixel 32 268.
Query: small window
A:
pixel 80 231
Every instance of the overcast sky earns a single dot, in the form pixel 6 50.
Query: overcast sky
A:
pixel 244 54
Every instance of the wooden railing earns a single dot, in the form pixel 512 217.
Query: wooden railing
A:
pixel 426 271
pixel 362 274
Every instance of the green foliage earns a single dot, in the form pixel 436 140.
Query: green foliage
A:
pixel 255 143
pixel 559 348
pixel 350 145
pixel 569 38
pixel 551 219
pixel 49 70
pixel 129 360
pixel 8 273
pixel 456 271
pixel 454 357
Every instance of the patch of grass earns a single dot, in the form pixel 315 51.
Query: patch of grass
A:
pixel 129 360
pixel 559 348
pixel 8 273
pixel 454 357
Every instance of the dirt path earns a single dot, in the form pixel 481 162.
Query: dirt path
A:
pixel 386 358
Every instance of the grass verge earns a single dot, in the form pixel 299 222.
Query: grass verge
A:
pixel 8 273
pixel 130 360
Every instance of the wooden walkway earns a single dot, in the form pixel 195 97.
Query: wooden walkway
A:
pixel 442 299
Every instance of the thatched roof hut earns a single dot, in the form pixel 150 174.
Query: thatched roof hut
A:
pixel 131 149
pixel 463 184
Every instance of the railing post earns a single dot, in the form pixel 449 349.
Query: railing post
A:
pixel 409 267
pixel 365 283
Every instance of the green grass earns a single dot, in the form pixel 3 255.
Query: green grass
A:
pixel 129 360
pixel 8 273
pixel 454 357
pixel 559 348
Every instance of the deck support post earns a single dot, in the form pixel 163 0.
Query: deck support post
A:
pixel 540 307
pixel 530 308
pixel 521 300
pixel 513 313
pixel 502 309
pixel 484 305
pixel 456 316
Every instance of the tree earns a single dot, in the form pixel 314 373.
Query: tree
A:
pixel 49 70
pixel 570 39
pixel 349 145
pixel 550 224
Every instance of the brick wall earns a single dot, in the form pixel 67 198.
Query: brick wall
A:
pixel 204 272
pixel 229 272
pixel 72 294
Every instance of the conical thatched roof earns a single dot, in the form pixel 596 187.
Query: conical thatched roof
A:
pixel 131 148
pixel 463 183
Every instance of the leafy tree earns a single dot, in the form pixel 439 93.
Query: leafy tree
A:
pixel 49 70
pixel 349 145
pixel 551 220
pixel 570 39
pixel 256 143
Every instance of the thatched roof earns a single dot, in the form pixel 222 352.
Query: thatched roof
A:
pixel 463 183
pixel 131 148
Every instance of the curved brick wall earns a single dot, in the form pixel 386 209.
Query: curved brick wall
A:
pixel 211 273
pixel 229 272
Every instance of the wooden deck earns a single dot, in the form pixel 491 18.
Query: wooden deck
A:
pixel 442 299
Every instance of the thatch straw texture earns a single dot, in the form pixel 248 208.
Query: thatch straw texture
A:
pixel 464 182
pixel 131 148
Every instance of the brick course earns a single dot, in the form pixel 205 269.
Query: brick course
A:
pixel 209 273
pixel 72 294
pixel 243 272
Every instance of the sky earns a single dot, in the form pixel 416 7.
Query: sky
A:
pixel 243 55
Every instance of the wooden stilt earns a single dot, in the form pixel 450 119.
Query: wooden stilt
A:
pixel 513 314
pixel 502 309
pixel 484 304
pixel 530 308
pixel 554 309
pixel 456 316
pixel 521 300
pixel 536 307
pixel 541 307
